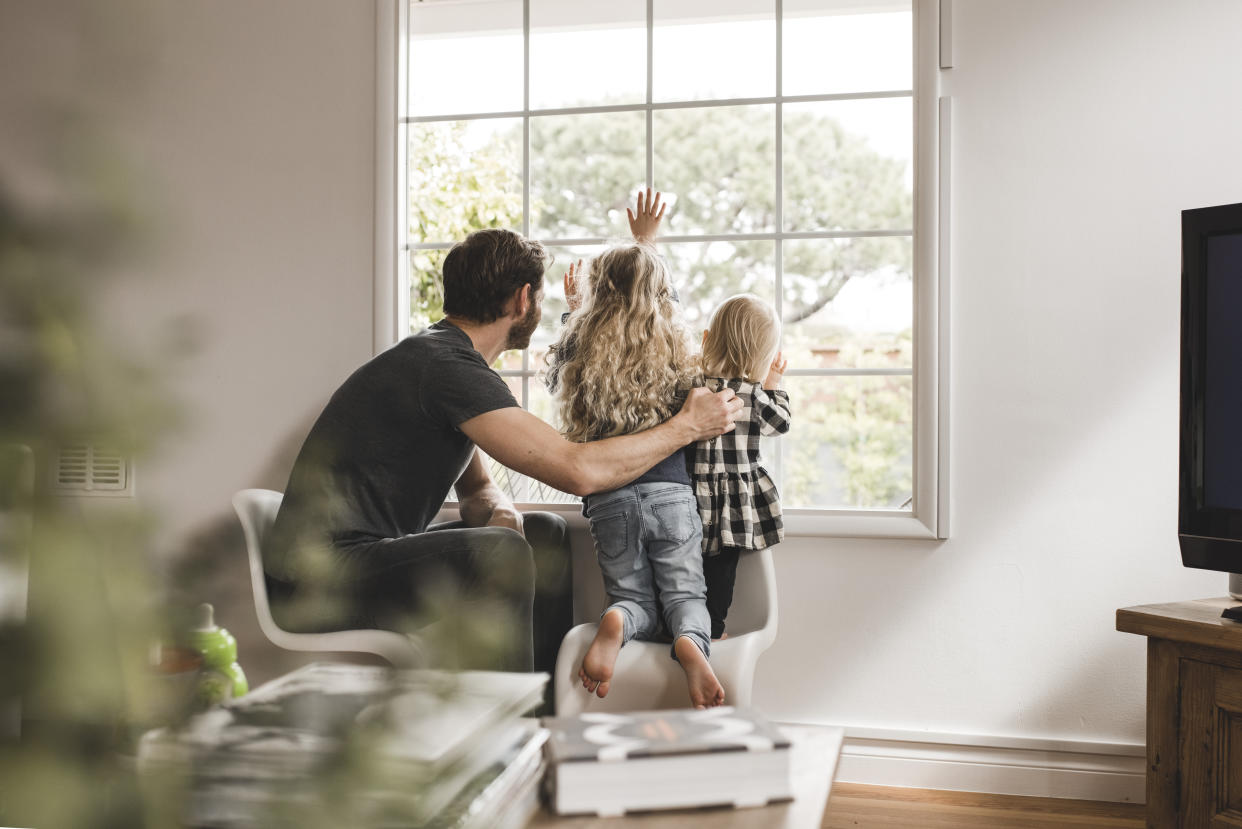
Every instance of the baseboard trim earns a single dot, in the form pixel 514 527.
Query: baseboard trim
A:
pixel 1077 770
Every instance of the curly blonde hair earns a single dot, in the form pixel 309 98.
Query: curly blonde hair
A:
pixel 624 353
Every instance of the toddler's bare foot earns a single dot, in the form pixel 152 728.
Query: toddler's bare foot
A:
pixel 705 689
pixel 596 670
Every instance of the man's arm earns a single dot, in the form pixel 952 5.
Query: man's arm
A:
pixel 482 503
pixel 523 442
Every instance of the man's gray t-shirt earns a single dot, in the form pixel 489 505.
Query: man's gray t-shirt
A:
pixel 381 458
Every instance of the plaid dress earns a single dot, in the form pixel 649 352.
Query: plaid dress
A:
pixel 737 500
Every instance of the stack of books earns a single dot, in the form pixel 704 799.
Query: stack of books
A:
pixel 609 764
pixel 456 752
pixel 425 749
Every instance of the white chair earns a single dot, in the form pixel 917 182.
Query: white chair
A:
pixel 256 508
pixel 647 678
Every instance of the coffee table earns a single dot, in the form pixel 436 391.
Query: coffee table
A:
pixel 816 750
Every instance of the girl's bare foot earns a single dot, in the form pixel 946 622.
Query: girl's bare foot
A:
pixel 705 689
pixel 596 670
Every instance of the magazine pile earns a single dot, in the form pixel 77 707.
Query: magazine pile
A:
pixel 425 749
pixel 610 764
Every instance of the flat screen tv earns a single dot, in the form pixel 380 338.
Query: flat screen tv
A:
pixel 1209 522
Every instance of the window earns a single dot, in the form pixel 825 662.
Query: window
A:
pixel 783 134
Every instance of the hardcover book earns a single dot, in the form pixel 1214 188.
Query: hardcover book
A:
pixel 613 763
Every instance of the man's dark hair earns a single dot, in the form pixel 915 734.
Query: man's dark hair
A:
pixel 482 272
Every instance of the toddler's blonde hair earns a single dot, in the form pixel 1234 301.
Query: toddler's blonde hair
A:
pixel 741 339
pixel 623 355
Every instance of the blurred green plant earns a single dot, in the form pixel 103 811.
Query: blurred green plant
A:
pixel 78 660
pixel 77 663
pixel 454 190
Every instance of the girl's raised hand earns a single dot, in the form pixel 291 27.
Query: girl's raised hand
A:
pixel 645 218
pixel 571 286
pixel 775 372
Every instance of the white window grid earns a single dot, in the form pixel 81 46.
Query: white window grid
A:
pixel 527 372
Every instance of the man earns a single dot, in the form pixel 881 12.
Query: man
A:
pixel 353 545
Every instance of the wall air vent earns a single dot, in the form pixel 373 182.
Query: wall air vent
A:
pixel 86 469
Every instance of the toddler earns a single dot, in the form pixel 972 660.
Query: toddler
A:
pixel 623 364
pixel 737 500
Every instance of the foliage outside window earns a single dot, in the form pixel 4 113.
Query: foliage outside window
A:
pixel 788 168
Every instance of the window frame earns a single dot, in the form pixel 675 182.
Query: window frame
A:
pixel 928 517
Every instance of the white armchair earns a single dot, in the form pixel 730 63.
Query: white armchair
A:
pixel 647 678
pixel 257 508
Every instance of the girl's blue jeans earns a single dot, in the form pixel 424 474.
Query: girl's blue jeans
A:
pixel 648 538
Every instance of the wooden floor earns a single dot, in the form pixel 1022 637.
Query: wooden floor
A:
pixel 877 807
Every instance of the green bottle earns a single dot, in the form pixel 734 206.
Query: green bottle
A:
pixel 221 677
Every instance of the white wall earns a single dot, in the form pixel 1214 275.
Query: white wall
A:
pixel 248 128
pixel 259 125
pixel 1081 130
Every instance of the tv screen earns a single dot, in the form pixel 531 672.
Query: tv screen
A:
pixel 1222 385
pixel 1210 477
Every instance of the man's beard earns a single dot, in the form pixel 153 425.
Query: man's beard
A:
pixel 520 333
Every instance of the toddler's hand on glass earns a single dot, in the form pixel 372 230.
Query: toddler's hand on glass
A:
pixel 775 372
pixel 571 286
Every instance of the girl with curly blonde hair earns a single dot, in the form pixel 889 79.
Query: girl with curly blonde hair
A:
pixel 624 364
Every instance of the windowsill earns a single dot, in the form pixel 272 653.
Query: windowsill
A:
pixel 799 523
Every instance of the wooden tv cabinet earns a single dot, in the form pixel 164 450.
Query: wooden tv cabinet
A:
pixel 1194 712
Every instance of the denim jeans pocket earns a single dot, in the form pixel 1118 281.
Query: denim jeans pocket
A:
pixel 678 520
pixel 611 534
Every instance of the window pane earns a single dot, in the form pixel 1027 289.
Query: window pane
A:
pixel 585 169
pixel 465 56
pixel 530 489
pixel 851 445
pixel 510 361
pixel 518 487
pixel 849 165
pixel 464 176
pixel 542 404
pixel 717 167
pixel 514 383
pixel 848 303
pixel 426 288
pixel 707 273
pixel 587 54
pixel 865 47
pixel 714 49
pixel 554 298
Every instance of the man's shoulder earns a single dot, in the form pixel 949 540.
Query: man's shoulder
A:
pixel 434 337
pixel 455 380
pixel 440 340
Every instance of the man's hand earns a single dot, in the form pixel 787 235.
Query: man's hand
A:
pixel 572 294
pixel 776 372
pixel 707 414
pixel 480 502
pixel 645 218
pixel 504 517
